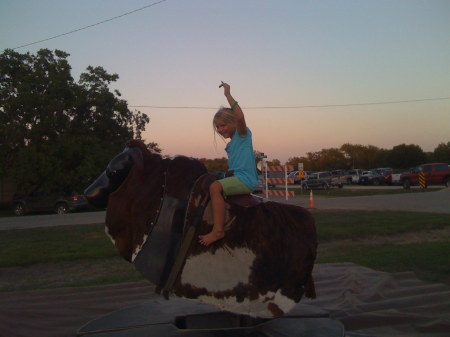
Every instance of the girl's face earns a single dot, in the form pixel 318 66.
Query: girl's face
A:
pixel 226 130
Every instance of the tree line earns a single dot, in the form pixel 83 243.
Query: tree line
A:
pixel 355 156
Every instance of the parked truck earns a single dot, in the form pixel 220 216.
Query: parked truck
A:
pixel 434 174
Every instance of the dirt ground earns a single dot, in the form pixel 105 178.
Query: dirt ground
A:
pixel 365 301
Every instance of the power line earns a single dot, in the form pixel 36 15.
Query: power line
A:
pixel 297 106
pixel 90 26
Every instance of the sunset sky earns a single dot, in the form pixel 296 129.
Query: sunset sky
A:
pixel 303 71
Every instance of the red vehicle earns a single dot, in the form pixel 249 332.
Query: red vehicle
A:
pixel 435 174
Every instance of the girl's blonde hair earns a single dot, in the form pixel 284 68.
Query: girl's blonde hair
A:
pixel 224 115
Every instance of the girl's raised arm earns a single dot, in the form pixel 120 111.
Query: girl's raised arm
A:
pixel 240 119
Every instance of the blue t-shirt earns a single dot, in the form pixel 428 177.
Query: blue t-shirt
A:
pixel 241 159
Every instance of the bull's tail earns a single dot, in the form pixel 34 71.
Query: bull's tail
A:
pixel 310 289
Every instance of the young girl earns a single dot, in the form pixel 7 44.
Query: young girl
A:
pixel 230 123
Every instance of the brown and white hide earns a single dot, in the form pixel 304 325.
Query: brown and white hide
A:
pixel 263 265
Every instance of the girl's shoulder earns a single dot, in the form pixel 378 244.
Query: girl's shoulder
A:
pixel 247 134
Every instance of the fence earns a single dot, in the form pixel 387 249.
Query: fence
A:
pixel 285 180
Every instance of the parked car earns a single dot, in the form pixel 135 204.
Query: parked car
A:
pixel 372 177
pixel 385 171
pixel 40 201
pixel 342 176
pixel 323 180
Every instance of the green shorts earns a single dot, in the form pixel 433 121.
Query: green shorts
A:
pixel 233 185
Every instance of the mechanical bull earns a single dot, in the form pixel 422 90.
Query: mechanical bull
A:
pixel 156 208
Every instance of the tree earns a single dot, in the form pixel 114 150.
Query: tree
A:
pixel 323 160
pixel 217 164
pixel 332 159
pixel 355 154
pixel 56 133
pixel 442 153
pixel 365 156
pixel 153 147
pixel 294 160
pixel 405 156
pixel 273 162
pixel 311 162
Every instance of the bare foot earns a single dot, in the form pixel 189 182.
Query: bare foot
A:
pixel 211 237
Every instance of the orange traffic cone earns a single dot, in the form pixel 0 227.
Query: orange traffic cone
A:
pixel 311 200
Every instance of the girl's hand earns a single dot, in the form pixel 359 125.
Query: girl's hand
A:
pixel 226 88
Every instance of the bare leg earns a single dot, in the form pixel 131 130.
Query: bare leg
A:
pixel 218 208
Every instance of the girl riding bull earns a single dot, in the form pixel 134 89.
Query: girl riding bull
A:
pixel 230 123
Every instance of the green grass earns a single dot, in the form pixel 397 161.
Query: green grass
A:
pixel 335 225
pixel 82 255
pixel 54 244
pixel 363 237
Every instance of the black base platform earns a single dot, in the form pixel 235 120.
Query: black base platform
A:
pixel 178 317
